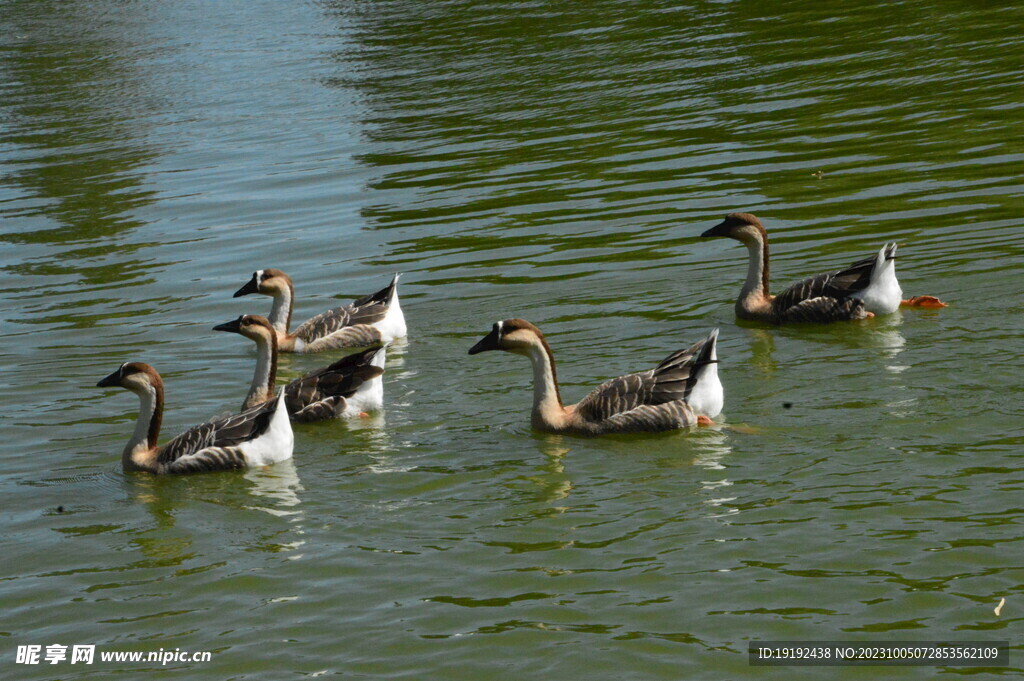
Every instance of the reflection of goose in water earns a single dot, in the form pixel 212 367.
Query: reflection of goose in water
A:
pixel 883 337
pixel 371 320
pixel 551 483
pixel 886 338
pixel 712 447
pixel 762 350
pixel 279 485
pixel 864 289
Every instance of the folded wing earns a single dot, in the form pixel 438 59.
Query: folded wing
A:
pixel 339 380
pixel 226 432
pixel 825 297
pixel 671 381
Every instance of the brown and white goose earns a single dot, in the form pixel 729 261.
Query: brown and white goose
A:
pixel 651 401
pixel 371 320
pixel 256 437
pixel 350 386
pixel 864 289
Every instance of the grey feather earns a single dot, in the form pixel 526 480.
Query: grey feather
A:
pixel 824 309
pixel 668 385
pixel 320 411
pixel 330 386
pixel 207 460
pixel 651 418
pixel 355 336
pixel 836 287
pixel 226 432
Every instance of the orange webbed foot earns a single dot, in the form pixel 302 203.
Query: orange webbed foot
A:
pixel 923 301
pixel 364 415
pixel 704 421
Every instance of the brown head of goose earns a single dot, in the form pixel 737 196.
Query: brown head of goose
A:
pixel 255 437
pixel 866 288
pixel 350 386
pixel 651 401
pixel 373 319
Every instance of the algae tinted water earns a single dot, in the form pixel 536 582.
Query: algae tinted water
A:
pixel 511 159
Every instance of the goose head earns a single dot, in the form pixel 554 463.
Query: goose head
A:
pixel 138 377
pixel 743 227
pixel 252 326
pixel 268 282
pixel 511 335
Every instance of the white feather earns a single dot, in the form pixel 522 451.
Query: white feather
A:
pixel 276 444
pixel 883 294
pixel 393 324
pixel 370 395
pixel 708 397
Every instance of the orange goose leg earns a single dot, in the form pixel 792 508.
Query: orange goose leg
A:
pixel 922 301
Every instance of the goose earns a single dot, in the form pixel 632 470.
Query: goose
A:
pixel 256 437
pixel 350 386
pixel 866 288
pixel 371 320
pixel 682 391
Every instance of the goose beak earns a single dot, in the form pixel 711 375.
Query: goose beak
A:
pixel 721 229
pixel 234 326
pixel 252 286
pixel 111 381
pixel 488 342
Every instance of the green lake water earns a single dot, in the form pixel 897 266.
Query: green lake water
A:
pixel 552 161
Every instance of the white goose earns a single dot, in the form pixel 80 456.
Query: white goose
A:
pixel 350 386
pixel 682 391
pixel 866 288
pixel 256 437
pixel 374 319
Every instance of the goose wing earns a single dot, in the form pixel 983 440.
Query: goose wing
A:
pixel 823 309
pixel 355 336
pixel 670 381
pixel 208 460
pixel 332 321
pixel 678 373
pixel 321 410
pixel 837 285
pixel 226 432
pixel 650 418
pixel 617 396
pixel 338 380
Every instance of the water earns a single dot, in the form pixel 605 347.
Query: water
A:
pixel 512 159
